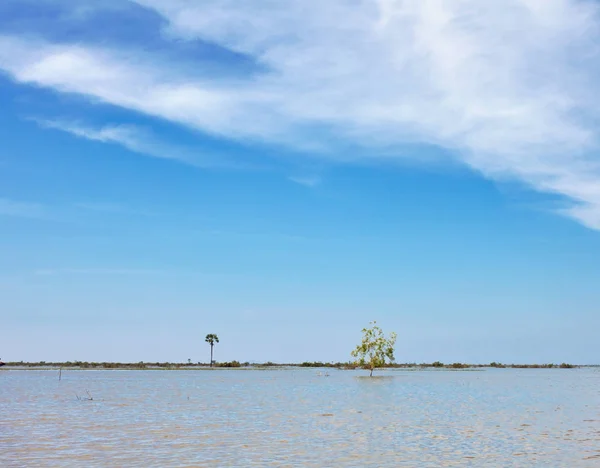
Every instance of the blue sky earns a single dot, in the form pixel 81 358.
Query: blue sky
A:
pixel 282 173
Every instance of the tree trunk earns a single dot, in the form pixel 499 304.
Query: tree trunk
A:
pixel 371 375
pixel 211 355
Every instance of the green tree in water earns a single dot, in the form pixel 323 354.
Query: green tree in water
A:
pixel 375 348
pixel 211 339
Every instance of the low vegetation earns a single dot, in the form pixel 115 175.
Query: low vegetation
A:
pixel 314 364
pixel 229 364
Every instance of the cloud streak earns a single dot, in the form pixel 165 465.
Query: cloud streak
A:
pixel 307 181
pixel 113 208
pixel 21 209
pixel 137 140
pixel 506 87
pixel 96 271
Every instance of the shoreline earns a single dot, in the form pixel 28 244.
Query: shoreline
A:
pixel 78 365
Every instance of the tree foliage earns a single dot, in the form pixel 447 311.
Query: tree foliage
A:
pixel 375 348
pixel 211 339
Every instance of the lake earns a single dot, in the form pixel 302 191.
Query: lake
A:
pixel 296 417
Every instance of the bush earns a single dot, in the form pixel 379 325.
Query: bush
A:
pixel 229 364
pixel 313 364
pixel 459 365
pixel 437 364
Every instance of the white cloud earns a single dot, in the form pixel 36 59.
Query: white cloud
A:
pixel 136 139
pixel 507 86
pixel 20 209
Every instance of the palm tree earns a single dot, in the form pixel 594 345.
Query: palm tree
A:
pixel 211 339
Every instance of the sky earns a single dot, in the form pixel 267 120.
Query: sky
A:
pixel 283 173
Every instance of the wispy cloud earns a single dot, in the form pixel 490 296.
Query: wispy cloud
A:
pixel 136 139
pixel 507 87
pixel 21 209
pixel 95 271
pixel 114 208
pixel 307 181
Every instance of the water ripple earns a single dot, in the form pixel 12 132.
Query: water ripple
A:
pixel 503 417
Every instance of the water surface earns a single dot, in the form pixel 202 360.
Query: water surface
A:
pixel 295 417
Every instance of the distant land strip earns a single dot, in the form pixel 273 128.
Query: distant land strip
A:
pixel 268 364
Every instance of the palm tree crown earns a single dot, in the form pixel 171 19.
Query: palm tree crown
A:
pixel 211 339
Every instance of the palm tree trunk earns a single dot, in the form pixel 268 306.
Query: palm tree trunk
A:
pixel 211 355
